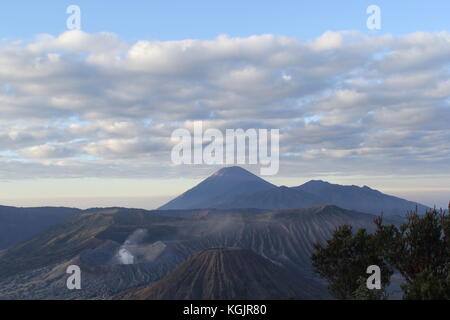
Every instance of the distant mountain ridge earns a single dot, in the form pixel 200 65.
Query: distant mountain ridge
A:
pixel 362 199
pixel 18 224
pixel 236 188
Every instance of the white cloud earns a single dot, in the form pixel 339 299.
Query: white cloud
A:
pixel 328 41
pixel 48 152
pixel 85 104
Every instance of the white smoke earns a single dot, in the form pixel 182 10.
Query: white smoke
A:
pixel 135 250
pixel 125 254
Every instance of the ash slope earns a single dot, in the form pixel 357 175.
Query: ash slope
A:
pixel 35 269
pixel 228 274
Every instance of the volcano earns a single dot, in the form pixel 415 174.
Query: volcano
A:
pixel 221 187
pixel 237 188
pixel 227 274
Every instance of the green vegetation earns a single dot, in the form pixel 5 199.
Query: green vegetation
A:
pixel 344 261
pixel 418 250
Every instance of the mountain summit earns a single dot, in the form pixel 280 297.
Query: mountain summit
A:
pixel 237 188
pixel 235 172
pixel 220 187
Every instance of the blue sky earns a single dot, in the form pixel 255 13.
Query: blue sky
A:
pixel 86 117
pixel 174 20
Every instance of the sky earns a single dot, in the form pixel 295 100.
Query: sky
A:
pixel 177 20
pixel 86 115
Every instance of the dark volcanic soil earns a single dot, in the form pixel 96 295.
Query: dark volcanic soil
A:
pixel 225 274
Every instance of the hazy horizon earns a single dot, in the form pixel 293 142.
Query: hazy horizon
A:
pixel 102 197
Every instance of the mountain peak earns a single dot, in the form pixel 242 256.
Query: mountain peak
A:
pixel 317 182
pixel 220 186
pixel 234 171
pixel 235 174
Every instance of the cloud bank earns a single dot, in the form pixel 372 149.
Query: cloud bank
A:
pixel 91 105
